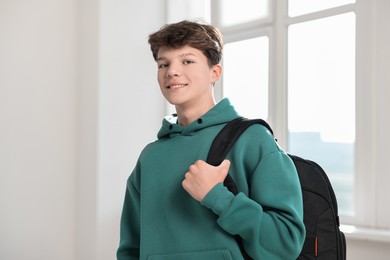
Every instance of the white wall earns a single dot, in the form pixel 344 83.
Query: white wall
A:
pixel 120 111
pixel 131 106
pixel 38 89
pixel 78 101
pixel 364 249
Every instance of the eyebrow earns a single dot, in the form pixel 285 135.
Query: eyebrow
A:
pixel 180 56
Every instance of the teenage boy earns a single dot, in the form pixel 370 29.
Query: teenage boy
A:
pixel 176 206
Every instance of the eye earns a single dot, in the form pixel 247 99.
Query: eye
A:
pixel 162 65
pixel 188 62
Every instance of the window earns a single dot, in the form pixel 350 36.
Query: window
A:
pixel 307 68
pixel 243 11
pixel 321 99
pixel 300 7
pixel 245 77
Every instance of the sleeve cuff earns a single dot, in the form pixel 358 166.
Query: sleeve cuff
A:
pixel 218 199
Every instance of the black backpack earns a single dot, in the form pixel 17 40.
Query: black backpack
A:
pixel 324 240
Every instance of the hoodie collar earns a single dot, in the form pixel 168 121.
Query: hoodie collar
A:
pixel 221 113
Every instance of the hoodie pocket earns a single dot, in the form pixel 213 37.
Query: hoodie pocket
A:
pixel 205 255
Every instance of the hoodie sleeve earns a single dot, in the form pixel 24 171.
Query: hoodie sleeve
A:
pixel 270 219
pixel 129 244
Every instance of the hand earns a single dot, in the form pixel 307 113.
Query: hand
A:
pixel 202 177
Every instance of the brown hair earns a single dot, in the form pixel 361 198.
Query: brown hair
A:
pixel 206 38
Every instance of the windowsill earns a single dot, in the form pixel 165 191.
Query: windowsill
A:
pixel 366 234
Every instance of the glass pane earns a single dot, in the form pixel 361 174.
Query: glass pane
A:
pixel 245 76
pixel 321 99
pixel 300 7
pixel 237 12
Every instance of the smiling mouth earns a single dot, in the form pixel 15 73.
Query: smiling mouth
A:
pixel 176 86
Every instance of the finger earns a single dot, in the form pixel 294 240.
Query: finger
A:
pixel 199 162
pixel 225 165
pixel 192 168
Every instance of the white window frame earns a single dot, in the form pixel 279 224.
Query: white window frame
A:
pixel 366 148
pixel 372 98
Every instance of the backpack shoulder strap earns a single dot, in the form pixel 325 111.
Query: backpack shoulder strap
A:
pixel 221 146
pixel 227 137
pixel 225 140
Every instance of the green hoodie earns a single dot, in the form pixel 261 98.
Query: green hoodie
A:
pixel 160 220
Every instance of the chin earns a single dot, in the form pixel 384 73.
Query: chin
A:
pixel 174 101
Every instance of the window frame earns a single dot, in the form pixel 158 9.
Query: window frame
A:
pixel 372 95
pixel 275 26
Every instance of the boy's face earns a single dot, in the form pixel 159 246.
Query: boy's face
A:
pixel 185 77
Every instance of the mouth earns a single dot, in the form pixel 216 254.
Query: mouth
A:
pixel 177 86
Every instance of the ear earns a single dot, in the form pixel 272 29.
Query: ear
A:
pixel 215 73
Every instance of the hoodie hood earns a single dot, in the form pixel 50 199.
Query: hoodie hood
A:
pixel 221 113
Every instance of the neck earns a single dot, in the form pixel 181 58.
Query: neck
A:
pixel 187 115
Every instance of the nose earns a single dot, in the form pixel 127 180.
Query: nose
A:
pixel 172 74
pixel 173 70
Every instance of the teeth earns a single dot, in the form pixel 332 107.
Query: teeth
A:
pixel 177 86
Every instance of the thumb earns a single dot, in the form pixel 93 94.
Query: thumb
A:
pixel 225 165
